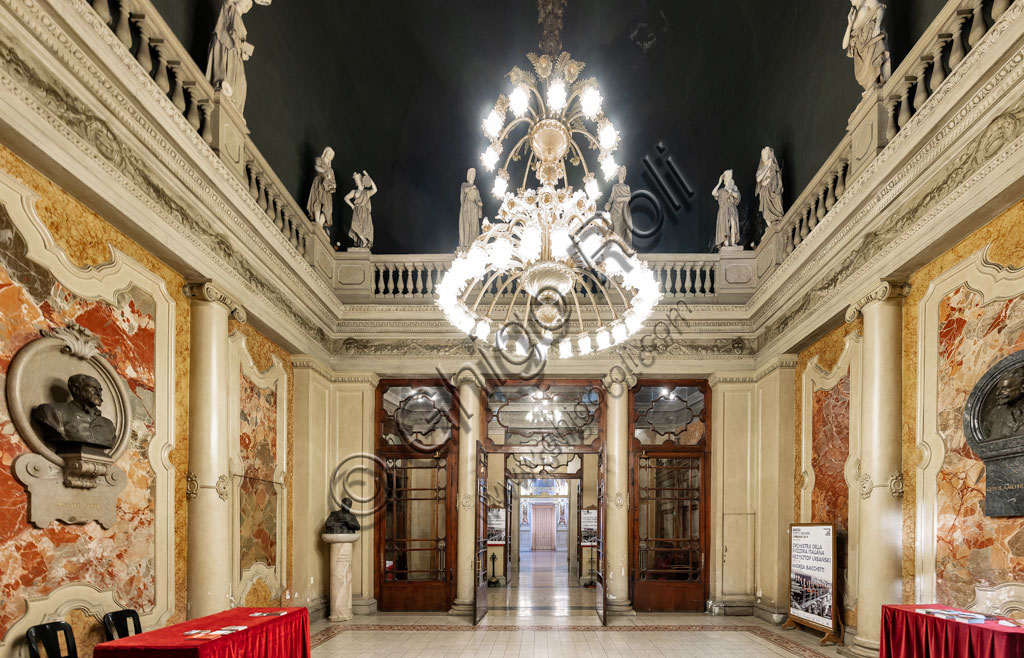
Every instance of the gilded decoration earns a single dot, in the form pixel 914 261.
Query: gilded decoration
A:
pixel 1004 242
pixel 29 300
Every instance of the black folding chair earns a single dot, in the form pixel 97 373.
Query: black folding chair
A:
pixel 49 636
pixel 116 624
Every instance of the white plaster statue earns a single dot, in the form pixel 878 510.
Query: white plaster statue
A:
pixel 727 231
pixel 320 204
pixel 358 200
pixel 865 41
pixel 618 209
pixel 229 50
pixel 768 187
pixel 470 210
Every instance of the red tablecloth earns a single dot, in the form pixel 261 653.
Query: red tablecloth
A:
pixel 907 633
pixel 285 636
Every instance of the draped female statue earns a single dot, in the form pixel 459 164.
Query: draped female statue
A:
pixel 618 209
pixel 229 50
pixel 358 200
pixel 470 210
pixel 769 186
pixel 727 230
pixel 865 42
pixel 320 204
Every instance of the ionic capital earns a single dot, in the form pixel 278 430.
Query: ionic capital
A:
pixel 886 289
pixel 618 377
pixel 206 291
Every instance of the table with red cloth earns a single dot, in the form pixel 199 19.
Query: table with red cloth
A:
pixel 907 633
pixel 284 636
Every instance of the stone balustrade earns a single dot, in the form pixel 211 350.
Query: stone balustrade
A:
pixel 141 29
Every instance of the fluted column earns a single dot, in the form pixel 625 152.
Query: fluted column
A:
pixel 208 481
pixel 470 426
pixel 616 500
pixel 881 481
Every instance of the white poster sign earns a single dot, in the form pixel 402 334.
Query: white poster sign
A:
pixel 588 527
pixel 496 527
pixel 811 577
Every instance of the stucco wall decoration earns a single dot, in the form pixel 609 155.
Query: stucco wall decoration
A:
pixel 994 428
pixel 114 323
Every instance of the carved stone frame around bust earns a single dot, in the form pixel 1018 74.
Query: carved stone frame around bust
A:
pixel 275 377
pixel 816 378
pixel 990 282
pixel 106 282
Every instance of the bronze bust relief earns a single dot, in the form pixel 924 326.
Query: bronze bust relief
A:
pixel 71 425
pixel 994 427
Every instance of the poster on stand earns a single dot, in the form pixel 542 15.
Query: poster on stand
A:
pixel 496 527
pixel 812 575
pixel 588 527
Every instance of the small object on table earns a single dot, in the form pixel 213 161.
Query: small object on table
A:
pixel 939 631
pixel 282 632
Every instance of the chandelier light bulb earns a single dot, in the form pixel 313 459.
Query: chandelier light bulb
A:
pixel 556 96
pixel 586 346
pixel 590 102
pixel 619 333
pixel 604 340
pixel 483 330
pixel 607 136
pixel 519 101
pixel 565 349
pixel 500 184
pixel 489 158
pixel 493 124
pixel 590 185
pixel 609 167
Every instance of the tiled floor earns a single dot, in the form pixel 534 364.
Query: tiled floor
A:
pixel 542 615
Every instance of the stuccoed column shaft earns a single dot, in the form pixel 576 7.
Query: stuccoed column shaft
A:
pixel 470 431
pixel 616 503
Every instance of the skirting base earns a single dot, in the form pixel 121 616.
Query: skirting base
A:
pixel 741 607
pixel 770 615
pixel 858 648
pixel 364 606
pixel 620 609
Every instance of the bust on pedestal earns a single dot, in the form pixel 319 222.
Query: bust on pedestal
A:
pixel 341 531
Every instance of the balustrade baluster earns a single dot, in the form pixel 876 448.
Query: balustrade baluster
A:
pixel 178 89
pixel 123 28
pixel 688 284
pixel 841 180
pixel 418 289
pixel 978 26
pixel 677 279
pixel 429 282
pixel 830 197
pixel 938 70
pixel 957 52
pixel 142 54
pixel 102 9
pixel 921 89
pixel 708 285
pixel 378 281
pixel 905 114
pixel 998 7
pixel 254 190
pixel 160 74
pixel 207 133
pixel 279 216
pixel 396 280
pixel 890 126
pixel 385 277
pixel 192 116
pixel 261 200
pixel 787 240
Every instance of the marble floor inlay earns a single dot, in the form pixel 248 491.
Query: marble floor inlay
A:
pixel 544 614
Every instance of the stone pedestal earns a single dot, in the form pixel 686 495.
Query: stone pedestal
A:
pixel 866 127
pixel 341 574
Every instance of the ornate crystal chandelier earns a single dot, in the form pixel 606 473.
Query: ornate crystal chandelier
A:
pixel 550 270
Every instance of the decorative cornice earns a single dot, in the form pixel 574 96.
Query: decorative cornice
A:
pixel 306 362
pixel 787 361
pixel 206 291
pixel 887 289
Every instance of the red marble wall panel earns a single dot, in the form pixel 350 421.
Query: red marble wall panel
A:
pixel 972 549
pixel 830 448
pixel 258 497
pixel 36 561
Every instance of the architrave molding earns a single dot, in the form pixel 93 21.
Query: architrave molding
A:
pixel 991 283
pixel 106 283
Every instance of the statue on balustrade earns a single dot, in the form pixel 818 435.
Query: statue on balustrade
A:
pixel 865 41
pixel 358 200
pixel 769 186
pixel 70 426
pixel 727 230
pixel 225 66
pixel 618 208
pixel 342 521
pixel 320 204
pixel 470 210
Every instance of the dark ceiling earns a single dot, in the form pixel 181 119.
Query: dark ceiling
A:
pixel 399 88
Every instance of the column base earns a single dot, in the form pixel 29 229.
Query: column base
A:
pixel 859 648
pixel 462 609
pixel 620 609
pixel 364 606
pixel 769 614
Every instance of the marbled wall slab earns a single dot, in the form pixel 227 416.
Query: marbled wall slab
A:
pixel 1003 242
pixel 830 449
pixel 35 561
pixel 973 549
pixel 258 523
pixel 258 429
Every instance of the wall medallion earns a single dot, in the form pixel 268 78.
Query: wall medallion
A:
pixel 74 412
pixel 994 428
